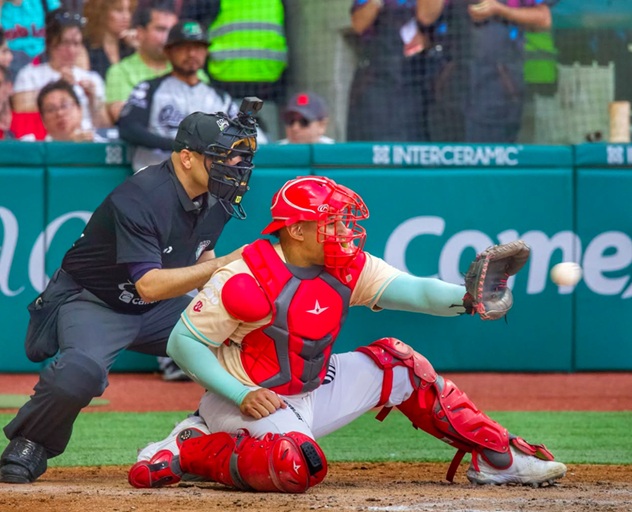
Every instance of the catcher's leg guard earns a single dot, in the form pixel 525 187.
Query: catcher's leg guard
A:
pixel 163 468
pixel 439 407
pixel 291 462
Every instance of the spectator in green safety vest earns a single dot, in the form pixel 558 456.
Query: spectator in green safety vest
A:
pixel 247 51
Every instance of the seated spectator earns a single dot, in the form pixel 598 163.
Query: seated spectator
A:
pixel 107 32
pixel 6 55
pixel 6 87
pixel 64 42
pixel 306 118
pixel 151 116
pixel 60 110
pixel 23 22
pixel 5 105
pixel 152 25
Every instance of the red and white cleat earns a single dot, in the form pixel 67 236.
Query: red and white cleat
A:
pixel 524 470
pixel 162 469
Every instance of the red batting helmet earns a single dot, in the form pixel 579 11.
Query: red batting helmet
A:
pixel 322 200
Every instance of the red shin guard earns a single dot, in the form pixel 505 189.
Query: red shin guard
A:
pixel 439 407
pixel 291 462
pixel 447 413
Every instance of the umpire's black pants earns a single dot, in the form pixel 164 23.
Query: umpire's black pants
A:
pixel 91 336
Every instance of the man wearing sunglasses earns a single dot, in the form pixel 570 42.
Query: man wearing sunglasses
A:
pixel 306 118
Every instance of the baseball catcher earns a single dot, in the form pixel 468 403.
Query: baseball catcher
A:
pixel 259 338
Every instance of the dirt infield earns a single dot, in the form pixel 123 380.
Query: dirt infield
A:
pixel 348 487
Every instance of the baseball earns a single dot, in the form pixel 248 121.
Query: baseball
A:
pixel 566 274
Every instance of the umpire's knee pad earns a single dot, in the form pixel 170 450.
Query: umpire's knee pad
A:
pixel 75 378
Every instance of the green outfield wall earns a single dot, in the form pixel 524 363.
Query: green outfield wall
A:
pixel 433 207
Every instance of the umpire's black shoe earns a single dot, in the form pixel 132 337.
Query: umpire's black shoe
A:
pixel 22 462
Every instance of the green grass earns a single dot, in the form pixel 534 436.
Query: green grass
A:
pixel 574 437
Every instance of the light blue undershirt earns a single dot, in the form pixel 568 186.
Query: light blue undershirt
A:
pixel 423 295
pixel 200 363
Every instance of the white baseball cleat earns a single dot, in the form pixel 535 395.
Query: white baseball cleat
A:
pixel 524 470
pixel 170 442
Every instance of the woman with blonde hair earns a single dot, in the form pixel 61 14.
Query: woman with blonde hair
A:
pixel 108 35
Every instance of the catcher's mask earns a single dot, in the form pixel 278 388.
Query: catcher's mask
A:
pixel 335 208
pixel 230 138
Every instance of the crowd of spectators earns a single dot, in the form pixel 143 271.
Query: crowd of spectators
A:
pixel 440 70
pixel 109 51
pixel 61 61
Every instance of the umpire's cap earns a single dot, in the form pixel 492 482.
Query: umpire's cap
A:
pixel 187 31
pixel 201 132
pixel 197 131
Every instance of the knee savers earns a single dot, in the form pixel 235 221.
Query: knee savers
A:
pixel 438 407
pixel 291 462
pixel 75 378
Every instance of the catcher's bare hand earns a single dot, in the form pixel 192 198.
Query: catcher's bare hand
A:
pixel 261 403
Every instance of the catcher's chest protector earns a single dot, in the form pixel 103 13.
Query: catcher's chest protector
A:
pixel 309 306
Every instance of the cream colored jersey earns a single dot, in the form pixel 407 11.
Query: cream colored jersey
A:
pixel 211 324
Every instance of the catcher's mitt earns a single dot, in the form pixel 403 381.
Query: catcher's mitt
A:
pixel 486 279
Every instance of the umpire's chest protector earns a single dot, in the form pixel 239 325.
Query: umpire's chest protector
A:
pixel 309 306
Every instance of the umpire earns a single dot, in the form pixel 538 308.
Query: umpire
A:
pixel 123 283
